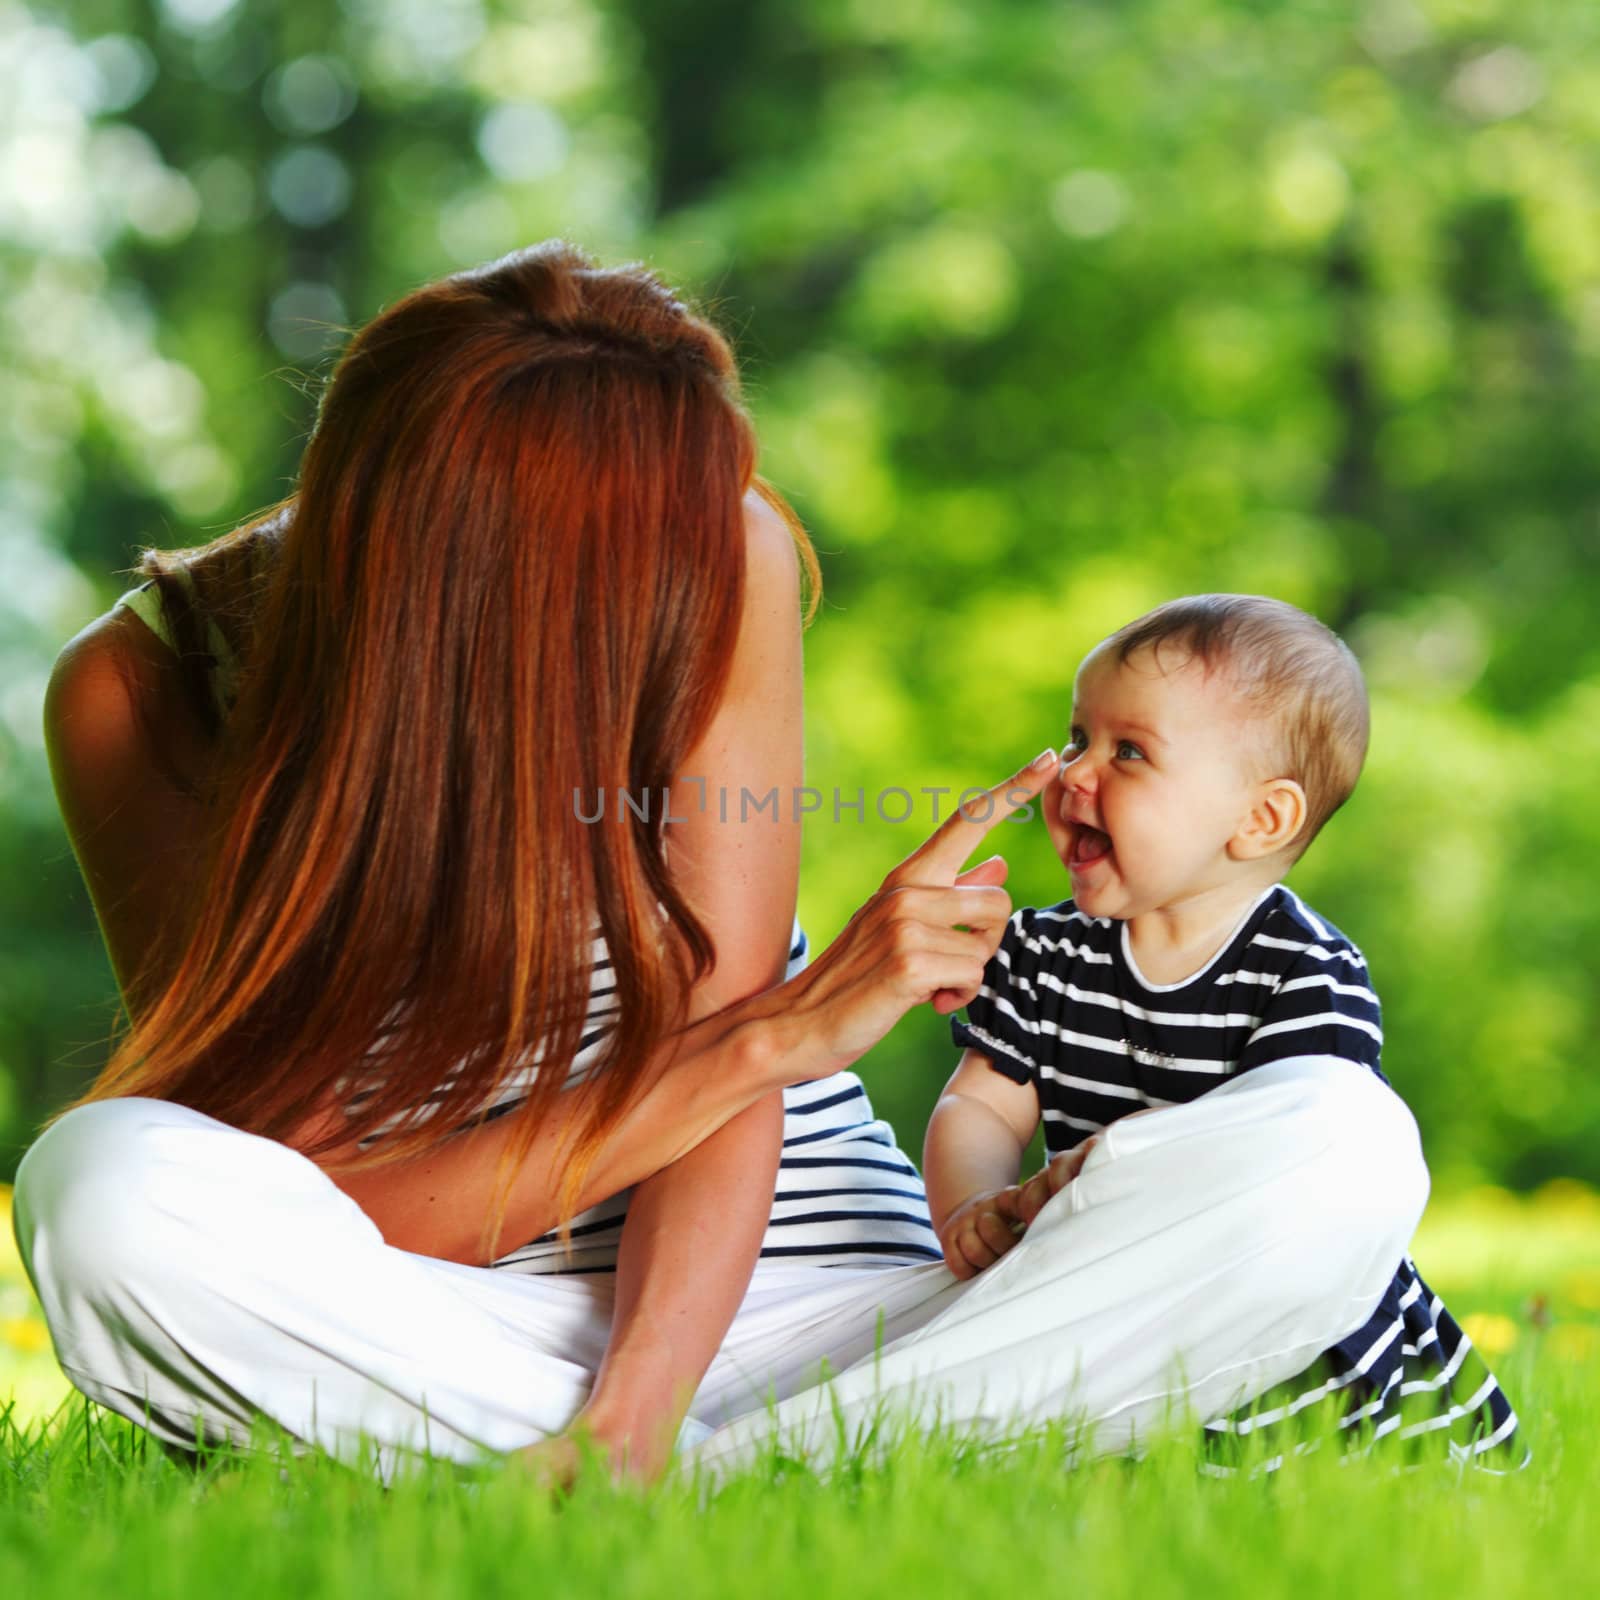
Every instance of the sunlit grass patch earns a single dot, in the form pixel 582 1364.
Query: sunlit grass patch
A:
pixel 1519 1270
pixel 90 1505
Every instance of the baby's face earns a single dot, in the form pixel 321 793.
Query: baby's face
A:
pixel 1158 773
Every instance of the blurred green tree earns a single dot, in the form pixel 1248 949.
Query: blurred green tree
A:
pixel 1049 313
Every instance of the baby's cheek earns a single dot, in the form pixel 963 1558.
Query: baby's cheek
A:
pixel 1059 832
pixel 1050 798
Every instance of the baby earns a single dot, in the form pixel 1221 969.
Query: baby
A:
pixel 1211 740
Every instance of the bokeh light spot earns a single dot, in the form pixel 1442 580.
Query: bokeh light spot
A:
pixel 227 190
pixel 124 68
pixel 309 185
pixel 1309 190
pixel 198 16
pixel 479 226
pixel 309 95
pixel 306 320
pixel 1497 85
pixel 1089 204
pixel 523 141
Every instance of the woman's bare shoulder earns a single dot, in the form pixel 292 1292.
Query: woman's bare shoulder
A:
pixel 113 684
pixel 99 675
pixel 769 538
pixel 112 694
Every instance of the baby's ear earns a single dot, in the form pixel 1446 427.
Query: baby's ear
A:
pixel 1276 816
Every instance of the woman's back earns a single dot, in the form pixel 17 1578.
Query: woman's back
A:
pixel 846 1195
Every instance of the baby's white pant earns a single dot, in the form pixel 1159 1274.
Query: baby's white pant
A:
pixel 195 1278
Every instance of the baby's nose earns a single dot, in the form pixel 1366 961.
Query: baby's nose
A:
pixel 1081 777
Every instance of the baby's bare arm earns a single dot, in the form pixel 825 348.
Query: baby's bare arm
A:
pixel 971 1160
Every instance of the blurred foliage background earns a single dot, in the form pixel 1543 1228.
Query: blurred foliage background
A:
pixel 1049 312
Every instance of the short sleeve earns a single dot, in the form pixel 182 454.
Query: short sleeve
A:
pixel 1323 1005
pixel 1000 1021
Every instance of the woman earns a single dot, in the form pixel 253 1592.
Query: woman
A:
pixel 403 814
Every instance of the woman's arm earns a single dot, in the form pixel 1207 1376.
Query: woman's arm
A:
pixel 923 938
pixel 689 1244
pixel 694 1229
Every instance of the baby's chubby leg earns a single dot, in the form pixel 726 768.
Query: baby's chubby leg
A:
pixel 1202 1254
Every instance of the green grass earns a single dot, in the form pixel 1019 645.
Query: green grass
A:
pixel 89 1507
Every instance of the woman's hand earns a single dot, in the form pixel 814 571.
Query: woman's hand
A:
pixel 925 936
pixel 630 1451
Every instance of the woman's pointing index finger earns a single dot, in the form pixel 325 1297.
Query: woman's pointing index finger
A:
pixel 941 856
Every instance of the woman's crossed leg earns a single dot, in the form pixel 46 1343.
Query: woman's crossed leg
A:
pixel 196 1278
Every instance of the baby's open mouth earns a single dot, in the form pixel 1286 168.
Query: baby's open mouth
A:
pixel 1088 846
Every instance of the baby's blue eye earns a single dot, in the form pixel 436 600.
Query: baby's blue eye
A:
pixel 1127 750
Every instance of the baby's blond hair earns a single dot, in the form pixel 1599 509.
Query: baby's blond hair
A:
pixel 1291 669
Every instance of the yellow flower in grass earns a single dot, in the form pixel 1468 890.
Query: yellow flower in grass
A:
pixel 1569 1200
pixel 1577 1342
pixel 27 1334
pixel 1492 1333
pixel 1583 1288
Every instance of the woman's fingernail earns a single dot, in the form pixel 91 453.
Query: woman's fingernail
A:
pixel 1042 760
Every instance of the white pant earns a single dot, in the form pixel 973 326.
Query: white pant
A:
pixel 195 1277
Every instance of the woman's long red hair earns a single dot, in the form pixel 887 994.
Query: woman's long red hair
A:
pixel 513 568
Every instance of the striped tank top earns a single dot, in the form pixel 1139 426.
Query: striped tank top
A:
pixel 846 1194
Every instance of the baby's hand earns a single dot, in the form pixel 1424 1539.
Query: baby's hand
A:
pixel 1051 1179
pixel 980 1230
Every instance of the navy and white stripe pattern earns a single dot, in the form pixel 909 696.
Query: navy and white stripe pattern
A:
pixel 846 1194
pixel 1064 1007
